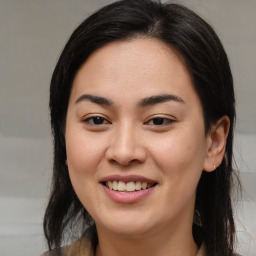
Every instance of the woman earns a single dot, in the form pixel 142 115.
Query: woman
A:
pixel 142 113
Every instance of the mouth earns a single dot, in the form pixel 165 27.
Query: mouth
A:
pixel 128 189
pixel 130 186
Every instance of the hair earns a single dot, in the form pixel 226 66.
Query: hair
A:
pixel 205 59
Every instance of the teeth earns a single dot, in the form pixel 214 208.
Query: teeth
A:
pixel 138 185
pixel 129 187
pixel 144 185
pixel 115 185
pixel 110 184
pixel 121 186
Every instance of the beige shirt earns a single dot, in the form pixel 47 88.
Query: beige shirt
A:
pixel 83 247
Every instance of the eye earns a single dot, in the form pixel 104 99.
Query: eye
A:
pixel 160 121
pixel 96 120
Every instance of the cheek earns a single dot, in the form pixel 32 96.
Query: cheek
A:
pixel 180 161
pixel 83 152
pixel 180 154
pixel 83 157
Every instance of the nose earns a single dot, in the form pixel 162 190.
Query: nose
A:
pixel 126 147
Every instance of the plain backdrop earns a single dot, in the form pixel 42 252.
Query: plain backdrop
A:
pixel 32 35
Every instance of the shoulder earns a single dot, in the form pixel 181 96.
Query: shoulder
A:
pixel 82 246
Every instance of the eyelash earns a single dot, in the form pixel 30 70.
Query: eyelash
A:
pixel 160 121
pixel 91 120
pixel 155 121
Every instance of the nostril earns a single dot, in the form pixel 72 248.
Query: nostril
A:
pixel 122 161
pixel 125 150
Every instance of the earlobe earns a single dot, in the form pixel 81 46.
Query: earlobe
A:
pixel 216 143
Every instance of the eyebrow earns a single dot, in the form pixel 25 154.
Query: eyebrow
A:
pixel 148 101
pixel 95 99
pixel 156 99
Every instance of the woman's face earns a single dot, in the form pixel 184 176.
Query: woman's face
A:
pixel 135 138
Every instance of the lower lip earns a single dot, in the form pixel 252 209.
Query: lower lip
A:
pixel 127 197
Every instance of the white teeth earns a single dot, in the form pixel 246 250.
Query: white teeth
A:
pixel 138 185
pixel 121 186
pixel 115 185
pixel 144 185
pixel 110 184
pixel 129 186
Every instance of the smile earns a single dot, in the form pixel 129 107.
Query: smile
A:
pixel 128 189
pixel 130 186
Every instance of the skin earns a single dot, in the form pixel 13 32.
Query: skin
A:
pixel 127 141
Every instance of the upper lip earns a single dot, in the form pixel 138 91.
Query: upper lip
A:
pixel 127 178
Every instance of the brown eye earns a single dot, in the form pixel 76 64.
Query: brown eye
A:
pixel 96 120
pixel 160 121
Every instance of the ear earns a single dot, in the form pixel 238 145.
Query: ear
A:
pixel 216 143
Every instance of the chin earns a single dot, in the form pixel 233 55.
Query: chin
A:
pixel 127 224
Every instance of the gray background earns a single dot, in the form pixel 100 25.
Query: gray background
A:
pixel 32 35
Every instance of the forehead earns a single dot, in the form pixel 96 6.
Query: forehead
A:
pixel 136 67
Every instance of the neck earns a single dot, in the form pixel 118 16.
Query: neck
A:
pixel 160 243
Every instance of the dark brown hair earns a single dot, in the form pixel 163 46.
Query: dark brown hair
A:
pixel 206 60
